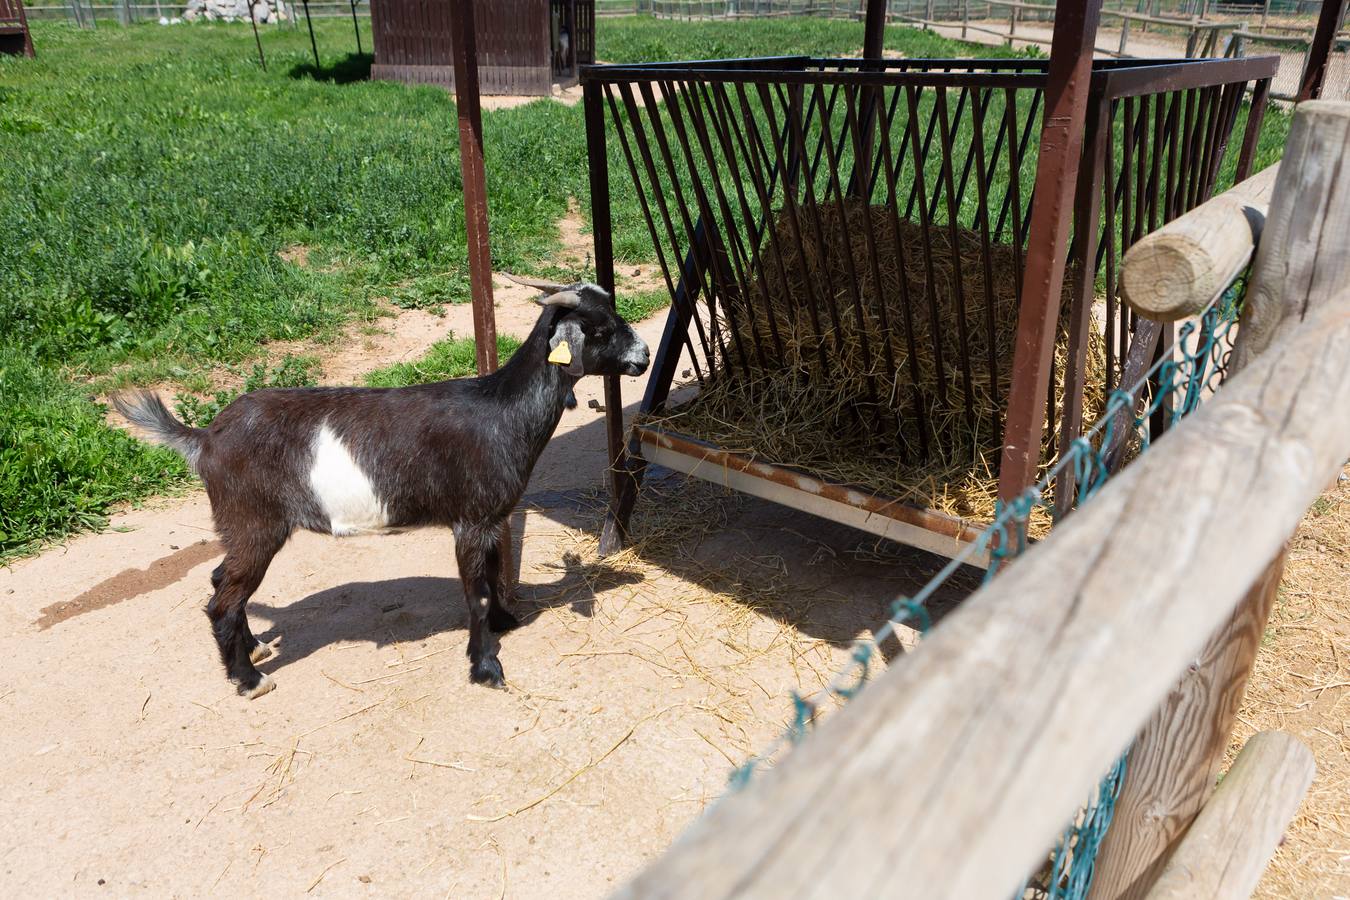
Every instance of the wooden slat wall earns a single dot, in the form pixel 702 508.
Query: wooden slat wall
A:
pixel 412 44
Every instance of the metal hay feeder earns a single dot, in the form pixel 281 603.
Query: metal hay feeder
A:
pixel 717 149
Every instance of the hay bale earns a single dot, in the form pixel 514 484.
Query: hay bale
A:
pixel 855 418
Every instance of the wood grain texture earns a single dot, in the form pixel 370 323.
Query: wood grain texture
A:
pixel 1172 769
pixel 1303 253
pixel 955 770
pixel 1225 852
pixel 1176 757
pixel 1174 272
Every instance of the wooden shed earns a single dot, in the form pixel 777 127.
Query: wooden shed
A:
pixel 524 46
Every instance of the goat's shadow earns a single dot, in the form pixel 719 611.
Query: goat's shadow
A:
pixel 413 609
pixel 828 581
pixel 349 69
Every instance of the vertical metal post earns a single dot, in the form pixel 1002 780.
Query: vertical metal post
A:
pixel 314 45
pixel 356 26
pixel 1315 70
pixel 874 29
pixel 622 481
pixel 1087 215
pixel 464 50
pixel 1068 83
pixel 1256 114
pixel 253 20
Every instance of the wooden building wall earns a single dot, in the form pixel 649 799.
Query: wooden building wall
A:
pixel 412 44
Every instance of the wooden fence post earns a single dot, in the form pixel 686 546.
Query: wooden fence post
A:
pixel 1303 258
pixel 1226 850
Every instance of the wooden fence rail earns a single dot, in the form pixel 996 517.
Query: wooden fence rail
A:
pixel 955 770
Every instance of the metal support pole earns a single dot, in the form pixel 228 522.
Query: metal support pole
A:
pixel 464 49
pixel 356 26
pixel 874 29
pixel 622 480
pixel 314 45
pixel 1060 155
pixel 253 20
pixel 1315 68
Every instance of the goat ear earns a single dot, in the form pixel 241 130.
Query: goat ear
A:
pixel 569 334
pixel 567 299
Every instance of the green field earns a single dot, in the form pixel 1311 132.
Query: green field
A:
pixel 151 176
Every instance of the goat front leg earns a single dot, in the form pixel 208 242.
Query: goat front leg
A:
pixel 501 582
pixel 472 550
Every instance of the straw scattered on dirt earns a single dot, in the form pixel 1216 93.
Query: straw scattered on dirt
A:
pixel 1301 684
pixel 856 418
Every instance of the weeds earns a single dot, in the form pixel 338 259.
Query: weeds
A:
pixel 292 371
pixel 449 358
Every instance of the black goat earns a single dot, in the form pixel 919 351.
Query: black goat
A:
pixel 346 461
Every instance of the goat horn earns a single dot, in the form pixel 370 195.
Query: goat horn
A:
pixel 568 299
pixel 551 286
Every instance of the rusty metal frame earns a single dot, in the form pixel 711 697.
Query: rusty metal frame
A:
pixel 853 505
pixel 1066 109
pixel 1168 121
pixel 475 182
pixel 1319 52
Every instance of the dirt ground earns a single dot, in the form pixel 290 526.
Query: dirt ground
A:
pixel 1301 684
pixel 635 686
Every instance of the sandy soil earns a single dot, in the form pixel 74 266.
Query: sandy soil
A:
pixel 375 766
pixel 1301 684
pixel 635 686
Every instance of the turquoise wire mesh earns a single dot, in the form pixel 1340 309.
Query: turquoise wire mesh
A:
pixel 1173 388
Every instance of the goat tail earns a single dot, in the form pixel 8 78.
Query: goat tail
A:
pixel 148 412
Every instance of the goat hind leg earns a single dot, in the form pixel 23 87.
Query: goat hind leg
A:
pixel 258 651
pixel 240 575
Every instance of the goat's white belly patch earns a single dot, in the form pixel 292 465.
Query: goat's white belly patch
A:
pixel 343 490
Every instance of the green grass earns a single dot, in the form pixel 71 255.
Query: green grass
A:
pixel 646 39
pixel 292 371
pixel 151 177
pixel 449 358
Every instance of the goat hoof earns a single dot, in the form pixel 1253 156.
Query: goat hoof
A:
pixel 488 671
pixel 265 685
pixel 500 620
pixel 264 651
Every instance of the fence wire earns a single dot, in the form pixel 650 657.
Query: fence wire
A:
pixel 1173 388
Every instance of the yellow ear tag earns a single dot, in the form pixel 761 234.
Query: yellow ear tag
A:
pixel 562 354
